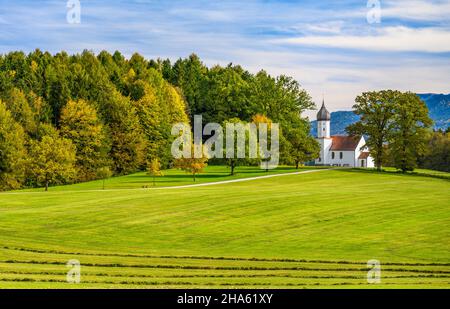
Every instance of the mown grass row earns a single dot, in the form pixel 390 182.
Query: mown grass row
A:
pixel 184 257
pixel 240 268
pixel 24 265
pixel 60 273
pixel 118 274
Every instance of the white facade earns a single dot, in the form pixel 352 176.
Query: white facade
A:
pixel 325 145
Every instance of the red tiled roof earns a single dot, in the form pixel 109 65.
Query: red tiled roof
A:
pixel 364 155
pixel 346 143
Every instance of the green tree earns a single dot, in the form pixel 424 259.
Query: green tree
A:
pixel 12 151
pixel 52 160
pixel 18 105
pixel 104 173
pixel 438 155
pixel 411 126
pixel 234 161
pixel 79 123
pixel 302 147
pixel 377 120
pixel 57 86
pixel 127 139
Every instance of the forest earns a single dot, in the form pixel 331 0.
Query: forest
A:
pixel 74 118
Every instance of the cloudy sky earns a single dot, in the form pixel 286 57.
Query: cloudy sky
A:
pixel 335 48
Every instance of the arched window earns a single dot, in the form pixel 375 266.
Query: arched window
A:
pixel 332 155
pixel 341 155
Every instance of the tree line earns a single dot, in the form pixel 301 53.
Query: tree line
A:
pixel 72 118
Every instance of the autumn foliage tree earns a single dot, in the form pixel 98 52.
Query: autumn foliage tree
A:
pixel 154 169
pixel 12 151
pixel 104 173
pixel 80 124
pixel 192 165
pixel 52 160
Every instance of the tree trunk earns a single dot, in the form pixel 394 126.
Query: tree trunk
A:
pixel 296 165
pixel 379 158
pixel 232 169
pixel 46 185
pixel 194 176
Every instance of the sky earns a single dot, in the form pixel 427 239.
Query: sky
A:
pixel 335 49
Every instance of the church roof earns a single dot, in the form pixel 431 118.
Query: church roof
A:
pixel 323 113
pixel 364 155
pixel 344 143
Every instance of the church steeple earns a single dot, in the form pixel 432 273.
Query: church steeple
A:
pixel 323 122
pixel 323 113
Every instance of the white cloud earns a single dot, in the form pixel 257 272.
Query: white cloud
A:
pixel 434 40
pixel 417 10
pixel 205 15
pixel 333 27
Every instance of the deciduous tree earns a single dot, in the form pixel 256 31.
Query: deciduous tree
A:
pixel 12 151
pixel 192 165
pixel 377 120
pixel 52 160
pixel 154 169
pixel 79 123
pixel 411 126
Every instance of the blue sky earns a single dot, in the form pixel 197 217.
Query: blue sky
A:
pixel 328 46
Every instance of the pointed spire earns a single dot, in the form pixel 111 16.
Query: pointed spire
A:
pixel 323 113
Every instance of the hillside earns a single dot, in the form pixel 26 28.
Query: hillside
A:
pixel 438 105
pixel 274 232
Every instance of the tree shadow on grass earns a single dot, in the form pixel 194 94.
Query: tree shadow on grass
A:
pixel 393 173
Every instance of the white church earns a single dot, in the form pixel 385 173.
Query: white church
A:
pixel 340 150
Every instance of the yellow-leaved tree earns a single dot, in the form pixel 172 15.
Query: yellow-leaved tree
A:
pixel 12 151
pixel 154 169
pixel 52 159
pixel 192 165
pixel 80 124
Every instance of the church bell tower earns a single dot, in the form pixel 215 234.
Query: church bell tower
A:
pixel 323 135
pixel 323 122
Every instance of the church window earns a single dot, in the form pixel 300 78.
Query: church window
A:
pixel 332 155
pixel 341 155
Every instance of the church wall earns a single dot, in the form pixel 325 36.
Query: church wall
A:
pixel 325 145
pixel 370 162
pixel 348 158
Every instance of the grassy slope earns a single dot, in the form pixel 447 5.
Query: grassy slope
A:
pixel 338 215
pixel 173 177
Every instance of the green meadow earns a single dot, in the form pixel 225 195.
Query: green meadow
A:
pixel 312 230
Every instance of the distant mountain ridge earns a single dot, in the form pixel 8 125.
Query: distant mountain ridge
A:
pixel 438 106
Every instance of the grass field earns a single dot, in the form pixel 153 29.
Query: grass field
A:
pixel 313 230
